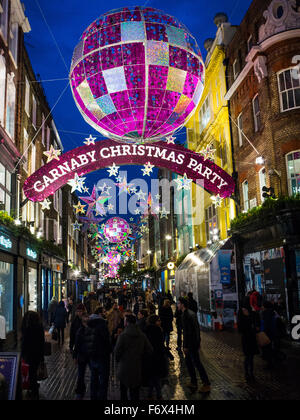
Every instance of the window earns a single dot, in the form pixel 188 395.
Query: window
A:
pixel 43 129
pixel 235 69
pixel 33 111
pixel 211 224
pixel 262 182
pixel 4 18
pixel 2 88
pixel 27 94
pixel 33 158
pixel 25 150
pixel 245 187
pixel 289 89
pixel 10 106
pixel 5 189
pixel 256 113
pixel 48 138
pixel 240 129
pixel 205 114
pixel 7 294
pixel 13 41
pixel 293 172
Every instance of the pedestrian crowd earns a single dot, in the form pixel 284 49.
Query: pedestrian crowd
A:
pixel 127 329
pixel 262 328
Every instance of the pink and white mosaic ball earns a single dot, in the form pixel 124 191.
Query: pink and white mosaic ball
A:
pixel 116 230
pixel 137 75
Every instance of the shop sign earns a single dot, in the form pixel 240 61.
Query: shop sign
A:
pixel 31 254
pixel 296 328
pixel 5 242
pixel 171 266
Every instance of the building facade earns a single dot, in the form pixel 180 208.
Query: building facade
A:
pixel 264 92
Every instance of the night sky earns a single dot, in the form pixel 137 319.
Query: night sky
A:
pixel 57 26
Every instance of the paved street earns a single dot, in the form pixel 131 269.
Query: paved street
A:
pixel 223 360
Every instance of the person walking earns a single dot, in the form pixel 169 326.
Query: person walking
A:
pixel 76 325
pixel 249 326
pixel 60 319
pixel 52 309
pixel 192 304
pixel 139 305
pixel 113 317
pixel 131 348
pixel 98 346
pixel 69 309
pixel 157 366
pixel 80 355
pixel 142 319
pixel 166 317
pixel 178 317
pixel 32 348
pixel 191 347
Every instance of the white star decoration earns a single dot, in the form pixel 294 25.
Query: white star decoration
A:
pixel 148 168
pixel 76 226
pixel 171 140
pixel 52 154
pixel 76 183
pixel 183 183
pixel 217 200
pixel 141 195
pixel 113 170
pixel 90 140
pixel 46 204
pixel 208 152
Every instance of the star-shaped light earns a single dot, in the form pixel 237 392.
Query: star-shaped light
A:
pixel 105 189
pixel 131 219
pixel 79 208
pixel 52 154
pixel 76 226
pixel 157 197
pixel 141 195
pixel 137 211
pixel 183 183
pixel 46 204
pixel 94 203
pixel 208 152
pixel 113 170
pixel 90 140
pixel 148 168
pixel 217 200
pixel 110 207
pixel 86 190
pixel 171 139
pixel 77 183
pixel 164 214
pixel 124 186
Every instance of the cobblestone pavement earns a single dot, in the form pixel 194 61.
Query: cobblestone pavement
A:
pixel 222 358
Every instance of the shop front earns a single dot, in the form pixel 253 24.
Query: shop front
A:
pixel 8 281
pixel 31 277
pixel 57 271
pixel 47 289
pixel 211 276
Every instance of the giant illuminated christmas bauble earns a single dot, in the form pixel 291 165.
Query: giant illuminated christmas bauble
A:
pixel 116 230
pixel 137 75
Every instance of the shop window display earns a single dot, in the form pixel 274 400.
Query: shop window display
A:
pixel 6 294
pixel 32 289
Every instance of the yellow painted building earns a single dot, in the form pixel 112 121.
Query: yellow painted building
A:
pixel 210 125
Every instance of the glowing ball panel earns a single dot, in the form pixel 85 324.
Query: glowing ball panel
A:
pixel 137 75
pixel 116 230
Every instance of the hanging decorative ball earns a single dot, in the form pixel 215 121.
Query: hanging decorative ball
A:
pixel 116 230
pixel 137 75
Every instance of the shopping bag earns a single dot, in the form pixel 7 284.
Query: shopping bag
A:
pixel 42 373
pixel 51 330
pixel 262 339
pixel 25 375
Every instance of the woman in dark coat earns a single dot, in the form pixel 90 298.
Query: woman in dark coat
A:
pixel 157 364
pixel 249 326
pixel 60 319
pixel 166 317
pixel 32 347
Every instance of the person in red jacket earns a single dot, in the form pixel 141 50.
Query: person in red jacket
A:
pixel 255 301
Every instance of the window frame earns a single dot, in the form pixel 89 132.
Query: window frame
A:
pixel 260 183
pixel 287 171
pixel 240 130
pixel 246 203
pixel 235 71
pixel 292 89
pixel 256 116
pixel 5 13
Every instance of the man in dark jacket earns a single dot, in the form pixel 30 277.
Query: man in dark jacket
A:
pixel 192 304
pixel 178 317
pixel 60 320
pixel 98 345
pixel 80 354
pixel 131 348
pixel 191 346
pixel 76 325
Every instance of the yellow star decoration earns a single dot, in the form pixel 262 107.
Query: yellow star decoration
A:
pixel 52 154
pixel 79 208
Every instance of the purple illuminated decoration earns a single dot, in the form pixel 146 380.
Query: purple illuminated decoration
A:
pixel 116 230
pixel 85 159
pixel 137 75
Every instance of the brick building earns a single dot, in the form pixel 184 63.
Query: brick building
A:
pixel 264 95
